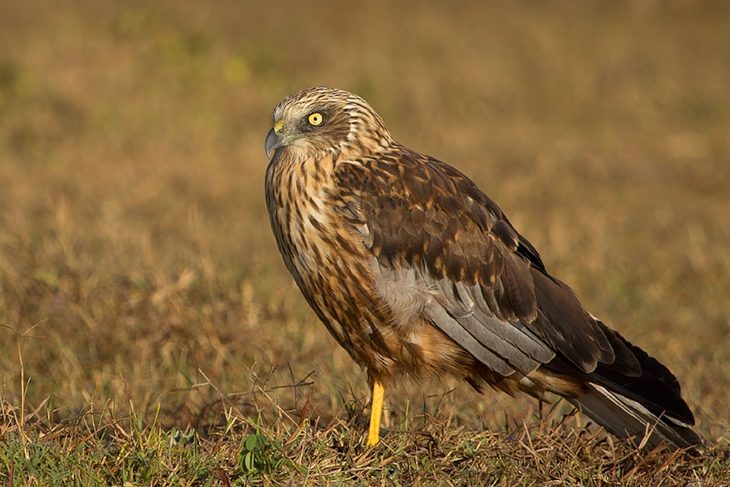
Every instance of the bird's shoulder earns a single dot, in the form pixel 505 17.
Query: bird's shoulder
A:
pixel 425 211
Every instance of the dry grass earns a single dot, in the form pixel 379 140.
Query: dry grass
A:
pixel 151 334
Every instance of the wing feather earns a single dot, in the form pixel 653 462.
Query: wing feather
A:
pixel 490 332
pixel 514 333
pixel 456 331
pixel 495 297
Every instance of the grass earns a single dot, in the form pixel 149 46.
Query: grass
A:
pixel 150 333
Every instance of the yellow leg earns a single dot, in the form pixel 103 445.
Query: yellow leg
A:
pixel 376 411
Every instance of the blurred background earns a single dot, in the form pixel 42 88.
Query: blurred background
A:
pixel 137 267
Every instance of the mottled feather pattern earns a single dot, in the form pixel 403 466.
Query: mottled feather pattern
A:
pixel 416 271
pixel 479 246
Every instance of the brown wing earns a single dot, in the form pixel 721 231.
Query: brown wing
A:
pixel 495 297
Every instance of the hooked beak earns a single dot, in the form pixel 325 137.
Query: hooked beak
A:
pixel 274 139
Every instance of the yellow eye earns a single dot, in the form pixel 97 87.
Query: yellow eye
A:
pixel 315 119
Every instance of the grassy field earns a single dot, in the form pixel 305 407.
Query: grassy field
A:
pixel 150 333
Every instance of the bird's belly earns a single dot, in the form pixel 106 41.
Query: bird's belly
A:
pixel 339 286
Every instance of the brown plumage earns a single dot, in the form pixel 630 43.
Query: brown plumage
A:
pixel 415 271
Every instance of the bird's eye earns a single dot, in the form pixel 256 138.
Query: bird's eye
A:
pixel 315 119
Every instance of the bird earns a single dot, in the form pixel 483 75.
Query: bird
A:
pixel 417 273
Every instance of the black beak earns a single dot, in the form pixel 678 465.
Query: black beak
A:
pixel 273 142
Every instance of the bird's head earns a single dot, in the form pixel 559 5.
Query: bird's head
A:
pixel 321 120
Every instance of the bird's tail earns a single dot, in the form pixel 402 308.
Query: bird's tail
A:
pixel 627 418
pixel 634 396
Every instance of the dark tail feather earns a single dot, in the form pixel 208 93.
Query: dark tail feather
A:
pixel 636 396
pixel 651 384
pixel 627 418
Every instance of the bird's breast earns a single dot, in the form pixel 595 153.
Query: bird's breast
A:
pixel 321 249
pixel 301 211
